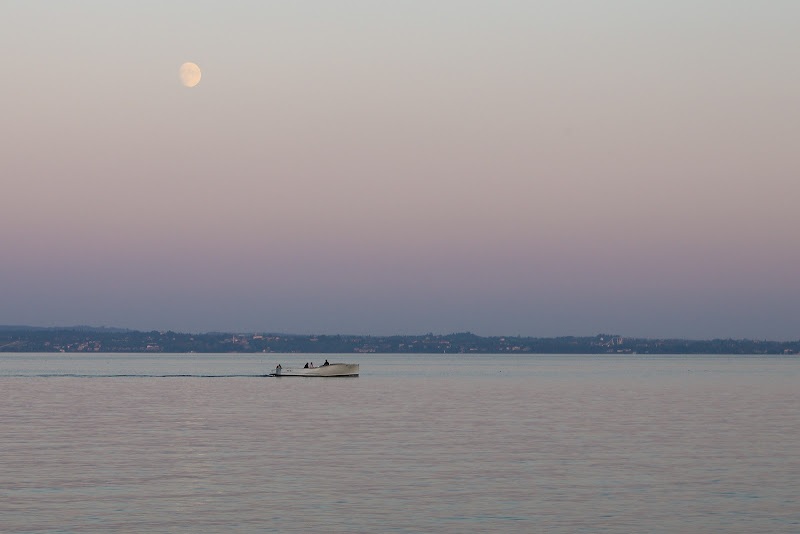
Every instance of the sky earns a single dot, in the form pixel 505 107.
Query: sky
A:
pixel 402 167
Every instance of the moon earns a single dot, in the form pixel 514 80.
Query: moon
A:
pixel 189 73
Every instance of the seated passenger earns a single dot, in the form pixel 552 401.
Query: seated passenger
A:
pixel 326 363
pixel 306 366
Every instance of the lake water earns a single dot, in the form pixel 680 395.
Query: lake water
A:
pixel 435 443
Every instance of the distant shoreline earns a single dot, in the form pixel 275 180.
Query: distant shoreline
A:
pixel 119 340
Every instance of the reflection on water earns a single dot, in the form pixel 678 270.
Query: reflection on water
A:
pixel 421 444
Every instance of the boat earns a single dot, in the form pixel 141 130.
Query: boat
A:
pixel 332 369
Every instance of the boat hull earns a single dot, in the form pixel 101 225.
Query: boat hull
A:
pixel 334 369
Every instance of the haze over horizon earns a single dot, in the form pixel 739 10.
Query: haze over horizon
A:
pixel 504 168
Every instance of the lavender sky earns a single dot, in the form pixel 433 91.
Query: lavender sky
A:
pixel 503 167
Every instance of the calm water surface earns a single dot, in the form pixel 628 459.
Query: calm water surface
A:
pixel 202 444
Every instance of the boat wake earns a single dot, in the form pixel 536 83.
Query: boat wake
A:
pixel 137 375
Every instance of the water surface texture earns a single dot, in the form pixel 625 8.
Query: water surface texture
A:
pixel 202 443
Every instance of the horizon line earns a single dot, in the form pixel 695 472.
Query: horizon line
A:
pixel 8 328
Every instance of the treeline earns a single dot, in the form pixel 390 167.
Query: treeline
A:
pixel 87 339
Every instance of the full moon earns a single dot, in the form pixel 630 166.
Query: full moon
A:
pixel 189 74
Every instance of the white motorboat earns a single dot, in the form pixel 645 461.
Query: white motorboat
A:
pixel 332 369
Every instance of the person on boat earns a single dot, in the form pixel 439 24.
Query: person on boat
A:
pixel 326 363
pixel 279 367
pixel 311 366
pixel 306 366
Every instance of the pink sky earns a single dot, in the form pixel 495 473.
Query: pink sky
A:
pixel 499 167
